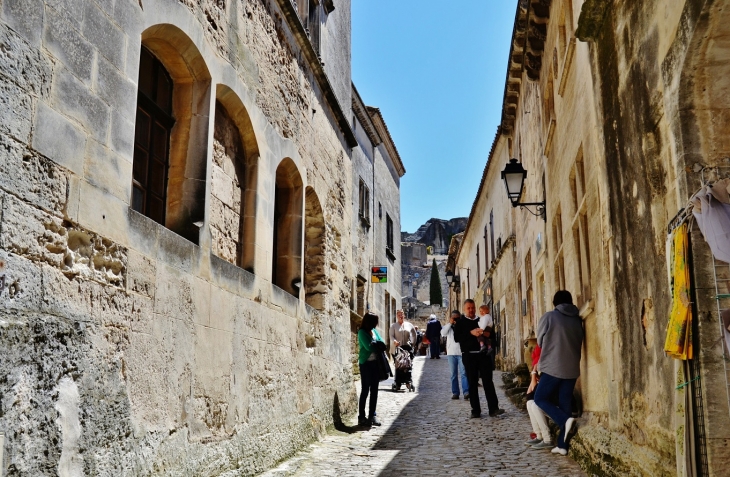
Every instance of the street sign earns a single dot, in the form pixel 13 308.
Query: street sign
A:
pixel 379 274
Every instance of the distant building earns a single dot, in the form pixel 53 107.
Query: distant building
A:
pixel 376 172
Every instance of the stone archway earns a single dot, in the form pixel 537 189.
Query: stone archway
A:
pixel 315 278
pixel 287 247
pixel 185 198
pixel 234 185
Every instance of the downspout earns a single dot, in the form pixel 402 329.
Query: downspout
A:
pixel 374 221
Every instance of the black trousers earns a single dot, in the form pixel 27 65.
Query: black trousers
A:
pixel 480 365
pixel 370 376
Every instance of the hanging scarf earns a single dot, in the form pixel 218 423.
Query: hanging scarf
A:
pixel 679 329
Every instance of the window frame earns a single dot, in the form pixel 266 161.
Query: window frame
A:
pixel 389 244
pixel 157 115
pixel 363 210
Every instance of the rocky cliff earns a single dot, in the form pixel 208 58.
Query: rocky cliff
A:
pixel 436 233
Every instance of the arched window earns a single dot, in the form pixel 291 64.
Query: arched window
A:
pixel 315 286
pixel 287 253
pixel 234 181
pixel 226 222
pixel 152 138
pixel 169 165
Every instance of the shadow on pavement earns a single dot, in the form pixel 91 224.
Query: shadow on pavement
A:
pixel 435 435
pixel 337 419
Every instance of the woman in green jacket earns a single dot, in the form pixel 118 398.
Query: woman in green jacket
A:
pixel 369 372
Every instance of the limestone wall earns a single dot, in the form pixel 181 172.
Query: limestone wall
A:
pixel 614 110
pixel 128 349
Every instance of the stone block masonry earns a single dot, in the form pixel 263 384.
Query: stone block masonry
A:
pixel 126 348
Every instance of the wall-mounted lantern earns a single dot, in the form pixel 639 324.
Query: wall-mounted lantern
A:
pixel 514 176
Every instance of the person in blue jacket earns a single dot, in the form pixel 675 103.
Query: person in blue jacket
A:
pixel 369 370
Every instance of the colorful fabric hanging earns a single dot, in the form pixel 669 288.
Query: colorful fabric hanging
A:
pixel 679 330
pixel 712 211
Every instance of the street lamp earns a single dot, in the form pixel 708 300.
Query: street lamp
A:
pixel 514 176
pixel 449 277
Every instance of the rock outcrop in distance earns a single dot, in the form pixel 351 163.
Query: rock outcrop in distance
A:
pixel 436 233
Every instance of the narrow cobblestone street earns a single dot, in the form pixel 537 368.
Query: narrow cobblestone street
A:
pixel 428 433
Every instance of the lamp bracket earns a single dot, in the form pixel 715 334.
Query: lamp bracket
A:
pixel 539 208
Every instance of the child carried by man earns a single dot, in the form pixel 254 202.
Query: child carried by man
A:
pixel 485 320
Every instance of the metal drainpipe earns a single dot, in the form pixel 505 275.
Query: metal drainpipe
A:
pixel 372 259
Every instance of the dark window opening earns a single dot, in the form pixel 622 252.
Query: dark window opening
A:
pixel 491 235
pixel 154 122
pixel 313 25
pixel 364 203
pixel 389 237
pixel 486 251
pixel 479 273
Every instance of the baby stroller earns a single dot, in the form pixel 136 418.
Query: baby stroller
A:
pixel 403 359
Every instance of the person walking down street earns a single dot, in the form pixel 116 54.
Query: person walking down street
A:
pixel 367 337
pixel 466 333
pixel 453 354
pixel 401 332
pixel 560 337
pixel 433 333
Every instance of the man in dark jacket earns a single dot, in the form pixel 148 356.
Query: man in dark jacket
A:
pixel 433 333
pixel 560 337
pixel 466 333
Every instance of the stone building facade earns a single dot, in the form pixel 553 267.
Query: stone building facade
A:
pixel 176 233
pixel 617 110
pixel 376 172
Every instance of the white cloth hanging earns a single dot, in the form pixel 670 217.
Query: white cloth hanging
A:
pixel 712 211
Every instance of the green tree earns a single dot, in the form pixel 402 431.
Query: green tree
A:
pixel 437 297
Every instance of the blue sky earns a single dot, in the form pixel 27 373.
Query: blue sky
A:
pixel 436 70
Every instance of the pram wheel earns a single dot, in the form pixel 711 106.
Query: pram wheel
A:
pixel 395 387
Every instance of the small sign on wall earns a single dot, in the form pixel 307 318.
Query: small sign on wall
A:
pixel 379 274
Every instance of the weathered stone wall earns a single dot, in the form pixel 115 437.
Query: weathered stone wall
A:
pixel 127 349
pixel 621 120
pixel 652 80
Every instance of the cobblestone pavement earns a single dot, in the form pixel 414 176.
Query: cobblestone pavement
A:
pixel 427 433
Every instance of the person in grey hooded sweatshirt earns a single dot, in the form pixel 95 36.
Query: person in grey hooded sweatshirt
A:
pixel 560 335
